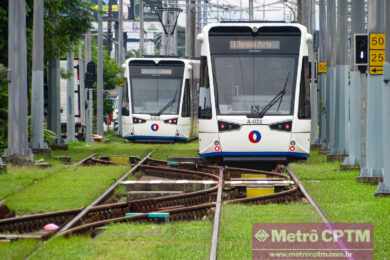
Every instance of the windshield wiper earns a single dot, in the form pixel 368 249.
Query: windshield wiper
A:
pixel 170 103
pixel 273 101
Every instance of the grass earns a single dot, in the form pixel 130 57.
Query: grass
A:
pixel 345 200
pixel 183 240
pixel 71 188
pixel 338 193
pixel 237 222
pixel 17 250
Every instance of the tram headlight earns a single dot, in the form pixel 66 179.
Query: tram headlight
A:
pixel 137 120
pixel 283 126
pixel 172 121
pixel 227 126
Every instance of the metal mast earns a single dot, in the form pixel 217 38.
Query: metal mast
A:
pixel 99 88
pixel 70 123
pixel 384 187
pixel 18 150
pixel 374 106
pixel 37 104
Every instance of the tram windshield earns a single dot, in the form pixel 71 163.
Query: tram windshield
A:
pixel 255 72
pixel 246 84
pixel 156 90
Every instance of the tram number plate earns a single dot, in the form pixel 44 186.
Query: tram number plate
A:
pixel 256 121
pixel 155 118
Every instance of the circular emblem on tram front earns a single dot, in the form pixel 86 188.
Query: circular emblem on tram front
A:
pixel 154 127
pixel 254 136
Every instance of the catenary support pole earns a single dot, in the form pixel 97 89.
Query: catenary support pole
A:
pixel 331 82
pixel 341 76
pixel 54 108
pixel 82 87
pixel 37 100
pixel 374 93
pixel 314 84
pixel 18 148
pixel 190 28
pixel 99 88
pixel 141 28
pixel 70 101
pixel 164 36
pixel 122 55
pixel 323 77
pixel 384 186
pixel 88 93
pixel 250 10
pixel 355 103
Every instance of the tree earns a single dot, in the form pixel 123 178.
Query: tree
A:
pixel 65 23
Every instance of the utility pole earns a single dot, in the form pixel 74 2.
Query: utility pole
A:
pixel 190 28
pixel 323 77
pixel 331 82
pixel 89 92
pixel 374 106
pixel 300 10
pixel 384 186
pixel 197 24
pixel 341 76
pixel 141 28
pixel 173 37
pixel 250 10
pixel 70 124
pixel 82 87
pixel 122 58
pixel 37 100
pixel 54 108
pixel 99 88
pixel 18 149
pixel 357 138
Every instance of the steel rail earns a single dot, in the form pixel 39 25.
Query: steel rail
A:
pixel 312 202
pixel 217 218
pixel 142 216
pixel 82 161
pixel 103 196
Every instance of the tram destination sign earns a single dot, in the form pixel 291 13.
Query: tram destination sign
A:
pixel 254 44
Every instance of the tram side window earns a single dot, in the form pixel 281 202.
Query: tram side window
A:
pixel 304 95
pixel 204 91
pixel 186 109
pixel 125 101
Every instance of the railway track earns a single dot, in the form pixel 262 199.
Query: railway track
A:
pixel 185 206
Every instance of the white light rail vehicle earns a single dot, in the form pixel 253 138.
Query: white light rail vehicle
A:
pixel 160 100
pixel 254 97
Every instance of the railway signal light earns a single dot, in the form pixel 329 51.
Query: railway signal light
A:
pixel 90 75
pixel 361 51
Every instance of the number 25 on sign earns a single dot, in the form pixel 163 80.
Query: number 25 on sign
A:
pixel 377 58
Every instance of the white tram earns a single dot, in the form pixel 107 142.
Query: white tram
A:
pixel 254 97
pixel 160 101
